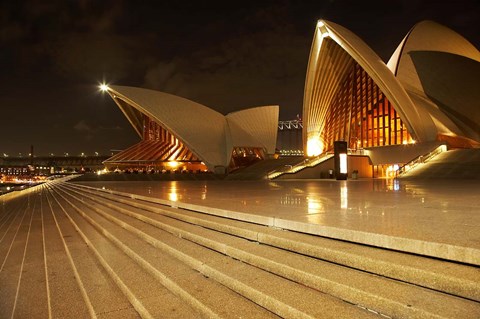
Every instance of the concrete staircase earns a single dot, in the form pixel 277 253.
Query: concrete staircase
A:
pixel 452 164
pixel 292 169
pixel 71 251
pixel 261 169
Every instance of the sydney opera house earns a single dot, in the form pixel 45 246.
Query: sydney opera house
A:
pixel 426 95
pixel 179 134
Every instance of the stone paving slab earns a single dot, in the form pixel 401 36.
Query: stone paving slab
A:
pixel 438 218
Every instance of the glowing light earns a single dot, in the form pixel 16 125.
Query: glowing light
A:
pixel 104 87
pixel 314 147
pixel 392 170
pixel 343 163
pixel 325 35
pixel 405 142
pixel 103 171
pixel 173 164
pixel 320 24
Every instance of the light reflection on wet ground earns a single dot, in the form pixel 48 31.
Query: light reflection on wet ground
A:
pixel 439 211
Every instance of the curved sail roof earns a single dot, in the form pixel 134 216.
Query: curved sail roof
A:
pixel 440 69
pixel 200 128
pixel 428 36
pixel 333 49
pixel 207 133
pixel 261 122
pixel 432 79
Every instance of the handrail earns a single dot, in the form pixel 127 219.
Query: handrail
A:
pixel 290 169
pixel 421 159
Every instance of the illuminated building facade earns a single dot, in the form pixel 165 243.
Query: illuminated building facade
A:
pixel 426 95
pixel 181 135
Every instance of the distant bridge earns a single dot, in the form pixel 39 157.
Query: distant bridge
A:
pixel 289 137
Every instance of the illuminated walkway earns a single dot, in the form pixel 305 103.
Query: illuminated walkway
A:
pixel 70 251
pixel 439 218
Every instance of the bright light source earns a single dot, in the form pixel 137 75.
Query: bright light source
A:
pixel 320 23
pixel 173 164
pixel 325 35
pixel 314 147
pixel 343 163
pixel 104 87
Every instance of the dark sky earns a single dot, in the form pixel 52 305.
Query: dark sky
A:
pixel 227 55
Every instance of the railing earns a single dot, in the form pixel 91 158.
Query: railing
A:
pixel 292 169
pixel 421 159
pixel 290 125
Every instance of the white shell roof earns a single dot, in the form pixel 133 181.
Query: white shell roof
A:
pixel 428 42
pixel 260 122
pixel 441 70
pixel 419 124
pixel 206 132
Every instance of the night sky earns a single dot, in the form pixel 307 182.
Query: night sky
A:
pixel 227 55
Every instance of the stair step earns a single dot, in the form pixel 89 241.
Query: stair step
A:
pixel 32 298
pixel 194 287
pixel 386 296
pixel 12 261
pixel 137 285
pixel 452 278
pixel 102 294
pixel 62 278
pixel 281 296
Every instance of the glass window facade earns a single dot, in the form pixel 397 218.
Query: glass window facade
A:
pixel 362 115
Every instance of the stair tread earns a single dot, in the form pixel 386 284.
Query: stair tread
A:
pixel 362 288
pixel 286 291
pixel 430 272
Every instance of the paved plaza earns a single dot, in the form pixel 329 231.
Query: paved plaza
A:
pixel 439 218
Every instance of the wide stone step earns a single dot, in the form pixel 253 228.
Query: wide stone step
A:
pixel 149 298
pixel 449 277
pixel 208 296
pixel 8 210
pixel 81 273
pixel 284 297
pixel 383 295
pixel 12 261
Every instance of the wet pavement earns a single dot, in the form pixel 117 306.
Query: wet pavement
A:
pixel 443 212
